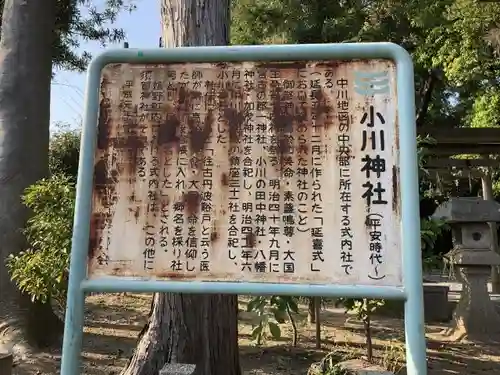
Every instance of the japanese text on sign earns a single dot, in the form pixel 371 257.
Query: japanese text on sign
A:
pixel 272 172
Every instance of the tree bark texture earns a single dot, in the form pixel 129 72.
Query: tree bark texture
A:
pixel 195 22
pixel 317 321
pixel 25 76
pixel 188 328
pixel 185 328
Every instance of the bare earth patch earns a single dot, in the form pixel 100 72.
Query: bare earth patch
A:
pixel 113 322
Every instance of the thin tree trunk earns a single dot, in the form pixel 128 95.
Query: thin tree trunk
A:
pixel 317 309
pixel 194 329
pixel 182 328
pixel 294 327
pixel 25 75
pixel 368 335
pixel 311 315
pixel 425 96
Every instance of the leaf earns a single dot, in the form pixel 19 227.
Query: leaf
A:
pixel 275 330
pixel 252 305
pixel 256 332
pixel 281 302
pixel 263 301
pixel 292 305
pixel 279 315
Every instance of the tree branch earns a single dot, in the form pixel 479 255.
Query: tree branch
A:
pixel 425 93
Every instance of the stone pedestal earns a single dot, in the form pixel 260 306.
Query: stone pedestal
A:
pixel 177 369
pixel 475 317
pixel 437 308
pixel 360 367
pixel 436 305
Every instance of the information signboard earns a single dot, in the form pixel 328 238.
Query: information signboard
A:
pixel 263 170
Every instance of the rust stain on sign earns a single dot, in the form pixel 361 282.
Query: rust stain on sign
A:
pixel 192 200
pixel 274 172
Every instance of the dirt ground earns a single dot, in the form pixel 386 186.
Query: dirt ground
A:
pixel 113 322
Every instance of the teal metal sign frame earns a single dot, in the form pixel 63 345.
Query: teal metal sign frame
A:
pixel 411 292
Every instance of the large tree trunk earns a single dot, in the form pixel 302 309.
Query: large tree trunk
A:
pixel 25 75
pixel 194 329
pixel 195 22
pixel 182 328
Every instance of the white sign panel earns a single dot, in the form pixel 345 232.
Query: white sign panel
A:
pixel 264 172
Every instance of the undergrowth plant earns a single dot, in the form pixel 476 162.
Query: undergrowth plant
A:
pixel 363 309
pixel 42 269
pixel 271 312
pixel 329 365
pixel 393 358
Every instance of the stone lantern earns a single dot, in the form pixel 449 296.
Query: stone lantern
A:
pixel 472 258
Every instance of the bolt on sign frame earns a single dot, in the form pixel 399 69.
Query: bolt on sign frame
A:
pixel 371 71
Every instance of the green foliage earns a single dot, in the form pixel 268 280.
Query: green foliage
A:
pixel 450 41
pixel 460 42
pixel 422 152
pixel 430 230
pixel 64 151
pixel 362 308
pixel 271 311
pixel 486 109
pixel 41 270
pixel 83 20
pixel 496 186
